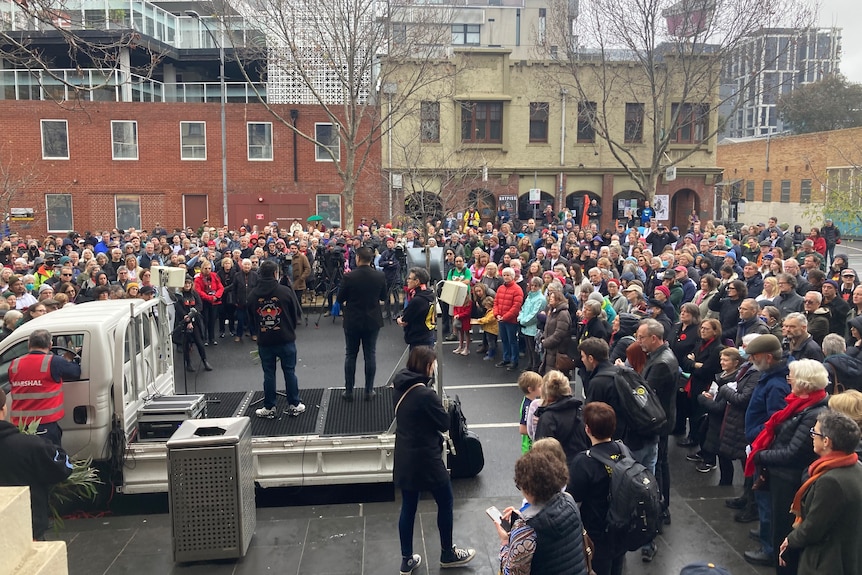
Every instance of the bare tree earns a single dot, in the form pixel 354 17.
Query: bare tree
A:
pixel 837 191
pixel 651 74
pixel 16 177
pixel 361 61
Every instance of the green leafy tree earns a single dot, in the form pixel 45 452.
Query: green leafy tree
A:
pixel 830 104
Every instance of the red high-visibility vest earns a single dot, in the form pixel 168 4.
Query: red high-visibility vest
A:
pixel 35 394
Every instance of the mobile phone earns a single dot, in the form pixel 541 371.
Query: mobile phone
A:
pixel 498 518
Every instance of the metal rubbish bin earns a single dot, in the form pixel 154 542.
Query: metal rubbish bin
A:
pixel 211 489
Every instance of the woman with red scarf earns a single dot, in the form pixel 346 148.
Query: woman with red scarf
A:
pixel 783 448
pixel 825 535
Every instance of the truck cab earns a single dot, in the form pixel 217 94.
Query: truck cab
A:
pixel 125 356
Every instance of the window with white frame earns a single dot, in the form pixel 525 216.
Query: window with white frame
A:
pixel 55 140
pixel 128 210
pixel 124 139
pixel 259 141
pixel 328 147
pixel 193 140
pixel 58 208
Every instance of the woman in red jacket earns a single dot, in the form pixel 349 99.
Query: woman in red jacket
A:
pixel 819 241
pixel 209 287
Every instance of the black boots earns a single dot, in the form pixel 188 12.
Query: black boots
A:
pixel 207 366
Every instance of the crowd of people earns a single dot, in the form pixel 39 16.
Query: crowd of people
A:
pixel 743 335
pixel 747 337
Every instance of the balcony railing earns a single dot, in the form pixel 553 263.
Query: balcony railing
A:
pixel 116 86
pixel 144 17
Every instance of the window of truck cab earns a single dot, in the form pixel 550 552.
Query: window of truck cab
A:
pixel 74 341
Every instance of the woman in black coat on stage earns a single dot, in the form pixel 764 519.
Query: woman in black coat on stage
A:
pixel 703 363
pixel 420 423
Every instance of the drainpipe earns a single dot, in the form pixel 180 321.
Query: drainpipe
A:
pixel 563 93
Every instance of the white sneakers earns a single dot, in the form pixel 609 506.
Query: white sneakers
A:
pixel 270 413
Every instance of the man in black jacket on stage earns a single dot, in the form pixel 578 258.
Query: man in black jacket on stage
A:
pixel 360 295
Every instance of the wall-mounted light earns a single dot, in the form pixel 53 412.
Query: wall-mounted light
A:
pixel 260 199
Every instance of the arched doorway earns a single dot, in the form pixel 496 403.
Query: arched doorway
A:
pixel 575 203
pixel 526 209
pixel 626 205
pixel 423 206
pixel 485 202
pixel 681 205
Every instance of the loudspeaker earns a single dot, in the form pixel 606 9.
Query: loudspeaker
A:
pixel 173 277
pixel 416 258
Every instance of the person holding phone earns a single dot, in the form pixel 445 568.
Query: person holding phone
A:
pixel 546 534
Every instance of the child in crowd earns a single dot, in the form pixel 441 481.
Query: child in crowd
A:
pixel 490 328
pixel 530 384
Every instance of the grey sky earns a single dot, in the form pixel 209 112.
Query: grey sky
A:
pixel 845 14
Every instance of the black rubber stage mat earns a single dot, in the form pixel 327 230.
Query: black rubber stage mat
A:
pixel 281 424
pixel 224 403
pixel 358 417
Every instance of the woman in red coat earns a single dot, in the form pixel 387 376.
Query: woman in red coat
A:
pixel 819 241
pixel 209 287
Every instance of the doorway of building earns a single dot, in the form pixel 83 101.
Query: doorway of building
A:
pixel 575 202
pixel 681 205
pixel 526 210
pixel 195 210
pixel 485 202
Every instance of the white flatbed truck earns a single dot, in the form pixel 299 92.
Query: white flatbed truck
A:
pixel 127 360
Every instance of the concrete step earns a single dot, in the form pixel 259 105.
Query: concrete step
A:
pixel 22 555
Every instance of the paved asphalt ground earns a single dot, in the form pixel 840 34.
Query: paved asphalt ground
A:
pixel 352 529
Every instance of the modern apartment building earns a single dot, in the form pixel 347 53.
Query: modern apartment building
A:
pixel 769 65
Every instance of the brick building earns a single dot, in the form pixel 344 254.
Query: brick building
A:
pixel 89 181
pixel 791 177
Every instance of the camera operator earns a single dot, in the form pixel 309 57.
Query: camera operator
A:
pixel 301 270
pixel 333 267
pixel 188 328
pixel 390 263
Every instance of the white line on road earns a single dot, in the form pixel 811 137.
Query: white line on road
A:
pixel 491 425
pixel 480 385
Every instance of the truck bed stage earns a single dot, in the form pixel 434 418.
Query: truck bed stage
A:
pixel 326 413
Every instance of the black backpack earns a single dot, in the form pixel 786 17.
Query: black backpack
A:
pixel 643 408
pixel 634 514
pixel 468 458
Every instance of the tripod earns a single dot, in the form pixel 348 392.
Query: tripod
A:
pixel 331 289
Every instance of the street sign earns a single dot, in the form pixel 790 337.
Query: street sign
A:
pixel 670 174
pixel 535 196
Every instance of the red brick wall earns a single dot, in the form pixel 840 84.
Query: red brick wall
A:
pixel 160 177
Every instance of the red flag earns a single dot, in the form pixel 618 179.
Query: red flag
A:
pixel 585 219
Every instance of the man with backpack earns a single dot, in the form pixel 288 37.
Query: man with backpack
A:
pixel 641 414
pixel 661 372
pixel 620 500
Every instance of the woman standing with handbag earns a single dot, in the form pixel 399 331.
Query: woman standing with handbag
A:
pixel 420 422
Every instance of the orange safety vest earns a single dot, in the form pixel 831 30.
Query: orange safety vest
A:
pixel 35 395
